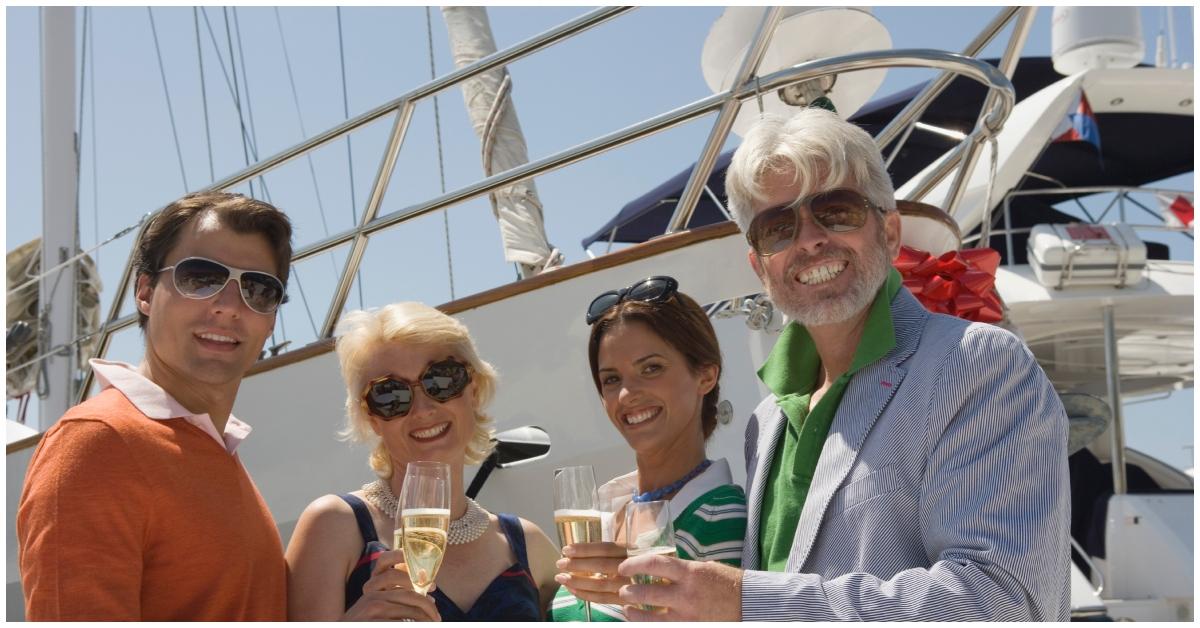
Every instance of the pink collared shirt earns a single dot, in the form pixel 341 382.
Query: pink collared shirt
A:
pixel 154 402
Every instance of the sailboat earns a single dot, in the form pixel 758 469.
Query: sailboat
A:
pixel 975 151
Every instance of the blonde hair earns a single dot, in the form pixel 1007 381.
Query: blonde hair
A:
pixel 818 147
pixel 360 332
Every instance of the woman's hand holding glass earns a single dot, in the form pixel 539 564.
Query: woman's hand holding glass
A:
pixel 389 594
pixel 423 521
pixel 589 571
pixel 577 517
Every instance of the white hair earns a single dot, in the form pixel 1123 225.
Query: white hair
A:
pixel 820 149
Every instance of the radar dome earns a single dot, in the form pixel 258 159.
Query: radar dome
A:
pixel 803 34
pixel 1083 38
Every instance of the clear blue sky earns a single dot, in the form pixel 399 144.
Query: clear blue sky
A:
pixel 606 79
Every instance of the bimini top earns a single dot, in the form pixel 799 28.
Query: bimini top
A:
pixel 1131 155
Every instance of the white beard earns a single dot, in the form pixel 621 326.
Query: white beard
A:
pixel 872 270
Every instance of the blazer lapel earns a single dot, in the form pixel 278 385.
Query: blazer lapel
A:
pixel 770 429
pixel 864 401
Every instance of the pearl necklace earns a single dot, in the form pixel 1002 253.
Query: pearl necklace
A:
pixel 657 494
pixel 465 529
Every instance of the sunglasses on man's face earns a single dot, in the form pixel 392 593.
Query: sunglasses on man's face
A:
pixel 839 211
pixel 202 278
pixel 390 397
pixel 652 290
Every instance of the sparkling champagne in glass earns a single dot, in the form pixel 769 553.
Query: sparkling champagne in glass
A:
pixel 648 530
pixel 576 516
pixel 423 521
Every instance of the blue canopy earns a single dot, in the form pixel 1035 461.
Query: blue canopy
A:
pixel 1128 158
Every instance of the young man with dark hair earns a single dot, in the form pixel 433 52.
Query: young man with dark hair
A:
pixel 136 505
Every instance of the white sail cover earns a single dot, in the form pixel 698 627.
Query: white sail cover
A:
pixel 22 264
pixel 494 118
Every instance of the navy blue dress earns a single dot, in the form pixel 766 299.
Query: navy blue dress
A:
pixel 511 596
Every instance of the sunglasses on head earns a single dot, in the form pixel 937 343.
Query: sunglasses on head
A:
pixel 202 278
pixel 652 290
pixel 390 397
pixel 838 211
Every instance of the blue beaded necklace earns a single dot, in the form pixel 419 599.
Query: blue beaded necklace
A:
pixel 659 493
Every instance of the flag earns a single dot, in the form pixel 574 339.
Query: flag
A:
pixel 1080 126
pixel 1177 209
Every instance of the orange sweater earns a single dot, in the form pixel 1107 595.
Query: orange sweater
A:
pixel 124 517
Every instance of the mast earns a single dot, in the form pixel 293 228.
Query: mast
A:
pixel 516 207
pixel 56 290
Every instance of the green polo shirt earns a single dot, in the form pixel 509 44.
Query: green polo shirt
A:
pixel 791 374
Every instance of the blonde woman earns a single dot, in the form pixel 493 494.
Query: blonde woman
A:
pixel 415 389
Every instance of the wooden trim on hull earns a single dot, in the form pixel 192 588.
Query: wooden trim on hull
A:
pixel 480 299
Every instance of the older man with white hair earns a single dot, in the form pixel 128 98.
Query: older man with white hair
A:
pixel 907 465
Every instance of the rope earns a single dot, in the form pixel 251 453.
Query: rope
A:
pixel 170 110
pixel 437 124
pixel 71 260
pixel 489 135
pixel 349 151
pixel 212 174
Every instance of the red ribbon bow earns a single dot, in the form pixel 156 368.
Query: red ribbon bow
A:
pixel 959 283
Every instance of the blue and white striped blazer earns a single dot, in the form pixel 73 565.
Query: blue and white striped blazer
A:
pixel 941 492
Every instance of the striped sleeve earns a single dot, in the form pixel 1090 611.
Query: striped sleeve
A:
pixel 713 527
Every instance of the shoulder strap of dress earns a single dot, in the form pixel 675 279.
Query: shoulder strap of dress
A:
pixel 362 514
pixel 511 526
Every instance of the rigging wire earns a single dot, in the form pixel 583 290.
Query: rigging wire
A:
pixel 349 152
pixel 237 98
pixel 437 124
pixel 78 256
pixel 307 310
pixel 312 171
pixel 95 178
pixel 237 29
pixel 212 175
pixel 170 110
pixel 225 73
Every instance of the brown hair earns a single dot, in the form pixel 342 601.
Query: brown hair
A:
pixel 236 211
pixel 681 323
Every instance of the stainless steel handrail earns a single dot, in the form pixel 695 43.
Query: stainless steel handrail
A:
pixel 918 104
pixel 720 131
pixel 522 49
pixel 552 36
pixel 982 72
pixel 1095 569
pixel 1120 190
pixel 1008 64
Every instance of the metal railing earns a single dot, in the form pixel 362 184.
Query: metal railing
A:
pixel 1001 100
pixel 1121 199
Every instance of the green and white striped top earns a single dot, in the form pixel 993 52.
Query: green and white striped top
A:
pixel 710 524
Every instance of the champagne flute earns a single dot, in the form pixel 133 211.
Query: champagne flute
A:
pixel 648 530
pixel 576 517
pixel 423 521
